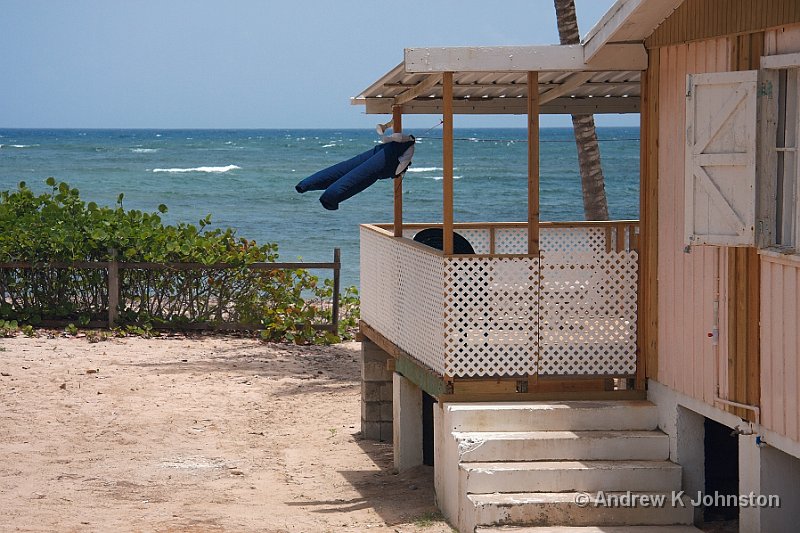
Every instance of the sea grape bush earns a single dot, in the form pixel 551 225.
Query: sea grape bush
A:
pixel 57 226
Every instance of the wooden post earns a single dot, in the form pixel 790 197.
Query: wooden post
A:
pixel 447 163
pixel 337 268
pixel 113 289
pixel 397 127
pixel 533 163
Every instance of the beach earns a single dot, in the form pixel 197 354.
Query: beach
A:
pixel 191 434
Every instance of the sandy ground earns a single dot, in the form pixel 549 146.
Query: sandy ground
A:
pixel 194 434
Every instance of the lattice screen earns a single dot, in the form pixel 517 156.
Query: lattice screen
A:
pixel 491 316
pixel 476 316
pixel 588 313
pixel 402 289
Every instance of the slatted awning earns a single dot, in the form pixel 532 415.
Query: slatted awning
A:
pixel 593 92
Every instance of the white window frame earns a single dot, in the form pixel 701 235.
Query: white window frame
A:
pixel 784 142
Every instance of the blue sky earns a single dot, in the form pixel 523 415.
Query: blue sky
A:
pixel 240 63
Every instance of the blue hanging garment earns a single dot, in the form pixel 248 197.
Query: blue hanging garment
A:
pixel 343 180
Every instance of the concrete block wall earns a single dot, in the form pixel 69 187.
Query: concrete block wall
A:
pixel 376 393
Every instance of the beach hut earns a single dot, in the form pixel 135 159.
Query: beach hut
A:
pixel 589 359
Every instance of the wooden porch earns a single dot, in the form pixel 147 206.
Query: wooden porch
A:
pixel 503 323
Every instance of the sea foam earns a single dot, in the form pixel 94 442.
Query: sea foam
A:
pixel 423 169
pixel 144 150
pixel 199 169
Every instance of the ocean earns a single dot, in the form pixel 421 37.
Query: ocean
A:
pixel 245 178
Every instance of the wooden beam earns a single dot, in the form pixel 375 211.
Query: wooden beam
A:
pixel 627 21
pixel 397 127
pixel 781 61
pixel 507 106
pixel 418 90
pixel 559 58
pixel 571 83
pixel 447 163
pixel 533 163
pixel 520 85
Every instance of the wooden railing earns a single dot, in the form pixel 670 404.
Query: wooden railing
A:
pixel 569 310
pixel 100 290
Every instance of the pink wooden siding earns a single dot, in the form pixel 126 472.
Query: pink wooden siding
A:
pixel 780 310
pixel 687 282
pixel 783 40
pixel 780 325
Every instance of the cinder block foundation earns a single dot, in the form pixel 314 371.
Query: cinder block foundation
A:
pixel 376 393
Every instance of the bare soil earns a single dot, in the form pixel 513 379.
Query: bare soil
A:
pixel 177 434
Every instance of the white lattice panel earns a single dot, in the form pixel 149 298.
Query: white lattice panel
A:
pixel 588 313
pixel 403 296
pixel 491 316
pixel 511 240
pixel 579 239
pixel 480 239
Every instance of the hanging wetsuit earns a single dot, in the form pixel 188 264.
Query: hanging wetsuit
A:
pixel 343 180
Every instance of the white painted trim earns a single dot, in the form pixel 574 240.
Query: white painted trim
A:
pixel 781 61
pixel 566 58
pixel 788 257
pixel 627 21
pixel 613 19
pixel 658 393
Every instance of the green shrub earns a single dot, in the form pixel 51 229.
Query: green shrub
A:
pixel 58 226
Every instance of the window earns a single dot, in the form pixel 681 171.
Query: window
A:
pixel 787 167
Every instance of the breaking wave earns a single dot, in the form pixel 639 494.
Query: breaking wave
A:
pixel 199 169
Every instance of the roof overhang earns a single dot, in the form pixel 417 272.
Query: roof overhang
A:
pixel 627 21
pixel 601 75
pixel 505 92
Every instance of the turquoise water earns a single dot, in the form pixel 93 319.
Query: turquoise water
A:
pixel 246 178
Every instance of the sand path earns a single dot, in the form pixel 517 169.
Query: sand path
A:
pixel 194 434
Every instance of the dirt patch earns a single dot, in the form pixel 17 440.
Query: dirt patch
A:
pixel 207 434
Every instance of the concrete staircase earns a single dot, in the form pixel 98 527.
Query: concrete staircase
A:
pixel 521 467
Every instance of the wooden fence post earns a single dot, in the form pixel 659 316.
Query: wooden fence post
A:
pixel 113 289
pixel 337 266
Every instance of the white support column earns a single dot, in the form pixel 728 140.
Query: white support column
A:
pixel 407 420
pixel 749 481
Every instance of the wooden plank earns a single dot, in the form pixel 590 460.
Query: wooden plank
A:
pixel 617 57
pixel 533 163
pixel 768 318
pixel 113 292
pixel 509 106
pixel 545 396
pixel 397 127
pixel 570 84
pixel 647 317
pixel 420 89
pixel 766 158
pixel 789 296
pixel 627 20
pixel 447 163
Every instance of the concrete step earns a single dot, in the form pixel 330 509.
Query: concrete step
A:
pixel 604 529
pixel 485 446
pixel 562 476
pixel 552 416
pixel 559 508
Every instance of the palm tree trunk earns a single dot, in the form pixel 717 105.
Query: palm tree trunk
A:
pixel 595 202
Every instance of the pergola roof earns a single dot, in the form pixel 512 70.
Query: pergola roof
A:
pixel 601 75
pixel 606 91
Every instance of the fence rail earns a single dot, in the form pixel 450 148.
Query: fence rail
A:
pixel 120 275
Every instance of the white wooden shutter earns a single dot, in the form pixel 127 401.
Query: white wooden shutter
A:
pixel 721 158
